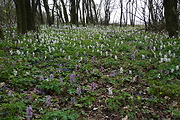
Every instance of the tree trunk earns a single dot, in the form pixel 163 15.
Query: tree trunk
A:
pixel 65 11
pixel 40 12
pixel 121 15
pixel 95 12
pixel 1 34
pixel 83 12
pixel 46 6
pixel 171 17
pixel 73 12
pixel 25 16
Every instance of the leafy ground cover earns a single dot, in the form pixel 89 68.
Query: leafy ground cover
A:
pixel 89 73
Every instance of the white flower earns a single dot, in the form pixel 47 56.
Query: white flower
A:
pixel 121 70
pixel 172 70
pixel 177 67
pixel 106 53
pixel 115 57
pixel 110 90
pixel 165 56
pixel 168 60
pixel 11 52
pixel 130 71
pixel 18 52
pixel 143 56
pixel 161 60
pixel 15 72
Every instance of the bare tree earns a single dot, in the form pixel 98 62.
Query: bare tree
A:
pixel 25 16
pixel 65 11
pixel 1 33
pixel 171 17
pixel 107 11
pixel 49 18
pixel 40 14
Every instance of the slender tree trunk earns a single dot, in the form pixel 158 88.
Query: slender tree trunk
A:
pixel 65 11
pixel 46 6
pixel 87 12
pixel 171 17
pixel 1 33
pixel 91 13
pixel 40 12
pixel 73 12
pixel 154 22
pixel 83 12
pixel 121 15
pixel 95 12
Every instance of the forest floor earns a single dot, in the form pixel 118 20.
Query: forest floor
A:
pixel 89 73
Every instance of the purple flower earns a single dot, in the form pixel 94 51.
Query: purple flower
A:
pixel 36 90
pixel 113 73
pixel 41 77
pixel 79 90
pixel 60 80
pixel 48 100
pixel 133 56
pixel 72 76
pixel 93 59
pixel 92 86
pixel 72 100
pixel 166 72
pixel 29 112
pixel 101 69
pixel 160 71
pixel 51 77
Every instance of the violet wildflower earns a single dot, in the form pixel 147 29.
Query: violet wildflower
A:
pixel 87 72
pixel 101 69
pixel 77 54
pixel 51 77
pixel 133 56
pixel 48 100
pixel 93 59
pixel 160 71
pixel 41 77
pixel 92 86
pixel 113 73
pixel 29 112
pixel 166 72
pixel 79 90
pixel 60 80
pixel 72 76
pixel 72 100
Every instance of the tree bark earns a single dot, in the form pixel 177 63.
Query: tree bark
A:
pixel 171 17
pixel 1 34
pixel 121 15
pixel 25 16
pixel 46 6
pixel 73 12
pixel 40 12
pixel 65 11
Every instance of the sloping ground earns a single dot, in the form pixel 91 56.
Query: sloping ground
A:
pixel 89 73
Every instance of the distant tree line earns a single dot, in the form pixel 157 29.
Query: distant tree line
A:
pixel 27 14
